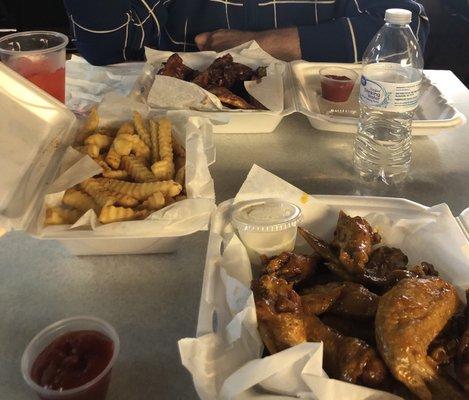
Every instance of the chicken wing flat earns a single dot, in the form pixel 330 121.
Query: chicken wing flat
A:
pixel 462 355
pixel 294 268
pixel 382 262
pixel 279 313
pixel 409 317
pixel 346 358
pixel 354 238
pixel 229 99
pixel 175 68
pixel 341 298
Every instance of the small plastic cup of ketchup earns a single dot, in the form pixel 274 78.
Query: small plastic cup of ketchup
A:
pixel 337 83
pixel 71 359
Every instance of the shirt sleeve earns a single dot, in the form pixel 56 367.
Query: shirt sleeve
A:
pixel 345 38
pixel 113 31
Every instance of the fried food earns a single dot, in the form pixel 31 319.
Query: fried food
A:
pixel 292 267
pixel 164 169
pixel 126 189
pixel 279 313
pixel 137 169
pixel 76 198
pixel 409 316
pixel 462 355
pixel 354 238
pixel 383 261
pixel 224 78
pixel 62 216
pixel 141 129
pixel 364 330
pixel 346 358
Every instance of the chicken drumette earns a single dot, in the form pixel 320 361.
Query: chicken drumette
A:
pixel 409 317
pixel 279 313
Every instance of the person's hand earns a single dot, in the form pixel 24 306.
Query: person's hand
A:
pixel 222 39
pixel 283 44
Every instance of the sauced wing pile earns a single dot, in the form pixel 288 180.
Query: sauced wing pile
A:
pixel 383 323
pixel 224 78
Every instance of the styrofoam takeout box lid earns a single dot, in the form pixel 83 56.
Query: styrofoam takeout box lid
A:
pixel 433 114
pixel 34 128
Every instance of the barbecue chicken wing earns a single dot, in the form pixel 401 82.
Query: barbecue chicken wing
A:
pixel 409 317
pixel 229 99
pixel 462 355
pixel 294 268
pixel 175 68
pixel 279 313
pixel 346 358
pixel 354 238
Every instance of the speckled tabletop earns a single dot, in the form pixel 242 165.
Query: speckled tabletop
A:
pixel 152 300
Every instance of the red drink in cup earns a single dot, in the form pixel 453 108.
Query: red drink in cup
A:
pixel 71 359
pixel 39 56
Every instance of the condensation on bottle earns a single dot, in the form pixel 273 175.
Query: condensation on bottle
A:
pixel 389 93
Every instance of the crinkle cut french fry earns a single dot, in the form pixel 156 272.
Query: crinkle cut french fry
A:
pixel 137 169
pixel 141 129
pixel 154 202
pixel 110 214
pixel 75 198
pixel 90 125
pixel 61 216
pixel 180 176
pixel 139 148
pixel 141 191
pixel 163 169
pixel 155 152
pixel 102 196
pixel 115 174
pixel 165 139
pixel 113 157
pixel 97 142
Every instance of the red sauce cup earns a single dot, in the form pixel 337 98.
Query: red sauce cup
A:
pixel 95 389
pixel 39 56
pixel 337 83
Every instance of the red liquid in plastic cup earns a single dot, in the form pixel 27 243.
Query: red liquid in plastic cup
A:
pixel 337 83
pixel 39 56
pixel 71 359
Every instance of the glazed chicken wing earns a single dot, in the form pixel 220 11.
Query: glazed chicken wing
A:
pixel 462 355
pixel 229 99
pixel 341 298
pixel 364 330
pixel 346 358
pixel 354 238
pixel 279 313
pixel 382 263
pixel 409 317
pixel 294 268
pixel 175 68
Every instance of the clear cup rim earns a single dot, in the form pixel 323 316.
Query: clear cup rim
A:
pixel 31 33
pixel 346 71
pixel 42 391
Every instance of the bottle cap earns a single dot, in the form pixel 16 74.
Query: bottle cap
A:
pixel 398 16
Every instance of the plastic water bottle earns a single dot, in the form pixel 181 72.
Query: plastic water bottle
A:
pixel 389 94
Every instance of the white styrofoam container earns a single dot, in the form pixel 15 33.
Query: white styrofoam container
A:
pixel 433 114
pixel 37 129
pixel 209 322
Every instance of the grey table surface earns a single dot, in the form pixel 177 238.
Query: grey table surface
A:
pixel 152 300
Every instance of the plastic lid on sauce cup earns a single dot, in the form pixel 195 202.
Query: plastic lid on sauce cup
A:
pixel 52 332
pixel 265 215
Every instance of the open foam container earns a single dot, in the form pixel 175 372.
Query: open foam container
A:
pixel 301 89
pixel 35 131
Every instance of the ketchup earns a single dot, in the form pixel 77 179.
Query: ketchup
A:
pixel 72 360
pixel 336 88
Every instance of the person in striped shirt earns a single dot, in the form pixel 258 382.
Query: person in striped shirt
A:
pixel 112 31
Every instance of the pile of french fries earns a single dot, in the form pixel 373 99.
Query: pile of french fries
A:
pixel 143 170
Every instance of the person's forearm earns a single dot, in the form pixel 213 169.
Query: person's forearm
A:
pixel 283 44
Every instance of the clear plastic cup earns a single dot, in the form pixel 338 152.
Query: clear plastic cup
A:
pixel 337 83
pixel 95 389
pixel 39 56
pixel 267 227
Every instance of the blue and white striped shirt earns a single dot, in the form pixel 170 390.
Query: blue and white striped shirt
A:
pixel 111 31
